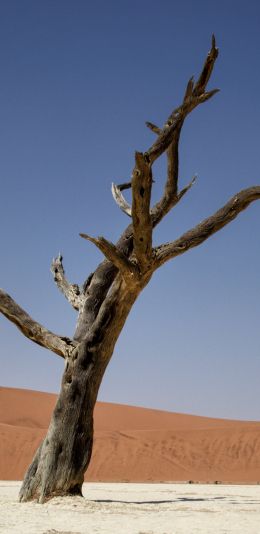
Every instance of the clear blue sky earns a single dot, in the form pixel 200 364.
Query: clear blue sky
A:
pixel 78 81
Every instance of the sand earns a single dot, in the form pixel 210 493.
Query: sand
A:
pixel 135 444
pixel 135 509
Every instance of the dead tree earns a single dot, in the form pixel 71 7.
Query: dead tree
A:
pixel 107 296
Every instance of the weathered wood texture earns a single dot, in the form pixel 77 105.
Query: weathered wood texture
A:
pixel 62 346
pixel 60 463
pixel 70 291
pixel 142 221
pixel 208 227
pixel 120 200
pixel 107 296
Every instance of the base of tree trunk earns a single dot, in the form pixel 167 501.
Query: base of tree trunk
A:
pixel 54 473
pixel 61 460
pixel 51 474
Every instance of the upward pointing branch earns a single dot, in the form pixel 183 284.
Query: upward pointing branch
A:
pixel 169 135
pixel 204 77
pixel 194 96
pixel 70 291
pixel 170 194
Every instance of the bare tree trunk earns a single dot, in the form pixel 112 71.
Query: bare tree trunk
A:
pixel 60 463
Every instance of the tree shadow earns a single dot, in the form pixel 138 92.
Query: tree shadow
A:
pixel 170 501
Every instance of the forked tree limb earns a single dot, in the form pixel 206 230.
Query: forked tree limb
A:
pixel 70 291
pixel 113 254
pixel 206 228
pixel 165 138
pixel 141 217
pixel 171 196
pixel 195 94
pixel 106 271
pixel 168 139
pixel 100 282
pixel 33 330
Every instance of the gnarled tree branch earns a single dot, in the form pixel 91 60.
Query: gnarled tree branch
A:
pixel 106 271
pixel 171 197
pixel 168 140
pixel 165 138
pixel 70 291
pixel 168 200
pixel 194 95
pixel 100 282
pixel 113 254
pixel 206 228
pixel 62 346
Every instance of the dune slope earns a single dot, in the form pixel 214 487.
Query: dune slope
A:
pixel 135 444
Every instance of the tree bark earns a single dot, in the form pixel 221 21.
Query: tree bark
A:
pixel 61 460
pixel 59 464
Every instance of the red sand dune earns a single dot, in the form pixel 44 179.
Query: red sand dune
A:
pixel 135 444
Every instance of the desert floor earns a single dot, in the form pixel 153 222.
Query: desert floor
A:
pixel 136 509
